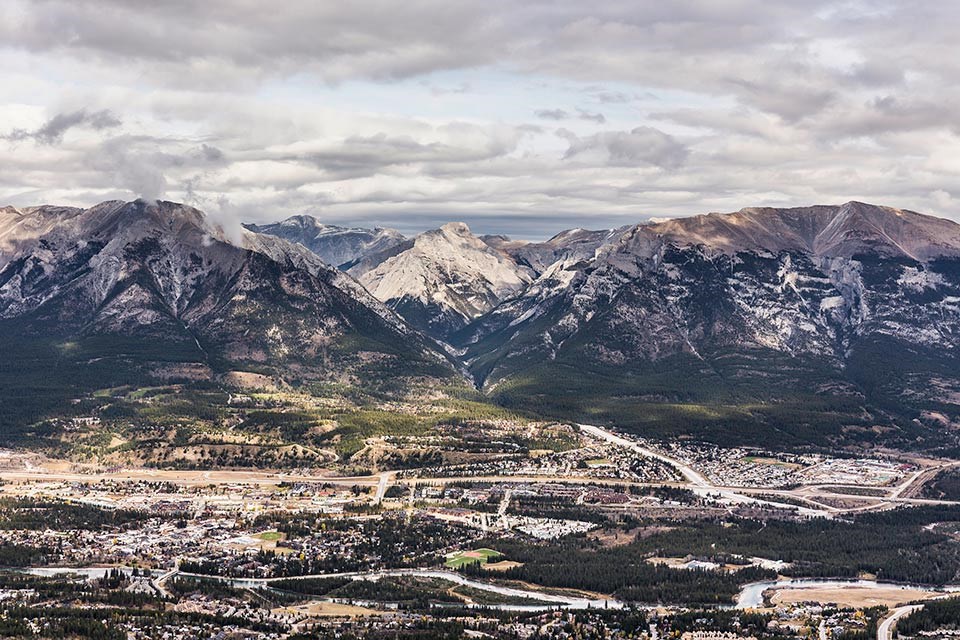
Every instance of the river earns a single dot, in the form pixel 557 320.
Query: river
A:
pixel 751 596
pixel 550 600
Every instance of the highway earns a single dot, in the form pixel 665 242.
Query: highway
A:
pixel 687 472
pixel 385 479
pixel 189 477
pixel 885 629
pixel 700 485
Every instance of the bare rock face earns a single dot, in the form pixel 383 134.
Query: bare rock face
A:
pixel 570 247
pixel 828 231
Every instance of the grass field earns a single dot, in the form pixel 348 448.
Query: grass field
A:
pixel 270 536
pixel 462 558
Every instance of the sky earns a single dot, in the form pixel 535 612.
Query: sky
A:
pixel 521 117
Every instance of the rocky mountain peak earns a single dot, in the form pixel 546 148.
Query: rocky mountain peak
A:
pixel 456 229
pixel 443 278
pixel 828 231
pixel 165 273
pixel 335 245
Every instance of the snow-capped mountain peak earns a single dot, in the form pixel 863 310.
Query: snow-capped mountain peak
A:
pixel 444 278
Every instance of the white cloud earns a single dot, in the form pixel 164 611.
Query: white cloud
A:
pixel 374 112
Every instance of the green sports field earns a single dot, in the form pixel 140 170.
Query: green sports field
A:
pixel 462 558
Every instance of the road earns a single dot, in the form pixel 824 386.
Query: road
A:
pixel 700 484
pixel 687 472
pixel 885 629
pixel 807 493
pixel 189 477
pixel 385 479
pixel 692 479
pixel 912 485
pixel 160 583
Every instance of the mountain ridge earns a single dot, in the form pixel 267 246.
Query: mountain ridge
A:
pixel 825 323
pixel 336 245
pixel 164 270
pixel 827 230
pixel 442 279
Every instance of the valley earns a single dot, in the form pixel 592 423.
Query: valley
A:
pixel 729 417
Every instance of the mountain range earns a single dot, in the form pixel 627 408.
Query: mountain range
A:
pixel 808 326
pixel 125 291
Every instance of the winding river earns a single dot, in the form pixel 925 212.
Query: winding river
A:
pixel 750 597
pixel 548 600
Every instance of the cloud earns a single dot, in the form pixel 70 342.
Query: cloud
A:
pixel 561 114
pixel 613 97
pixel 211 153
pixel 637 147
pixel 943 199
pixel 455 144
pixel 463 87
pixel 53 130
pixel 131 165
pixel 371 112
pixel 599 118
pixel 551 114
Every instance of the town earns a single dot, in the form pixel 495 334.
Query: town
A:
pixel 475 549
